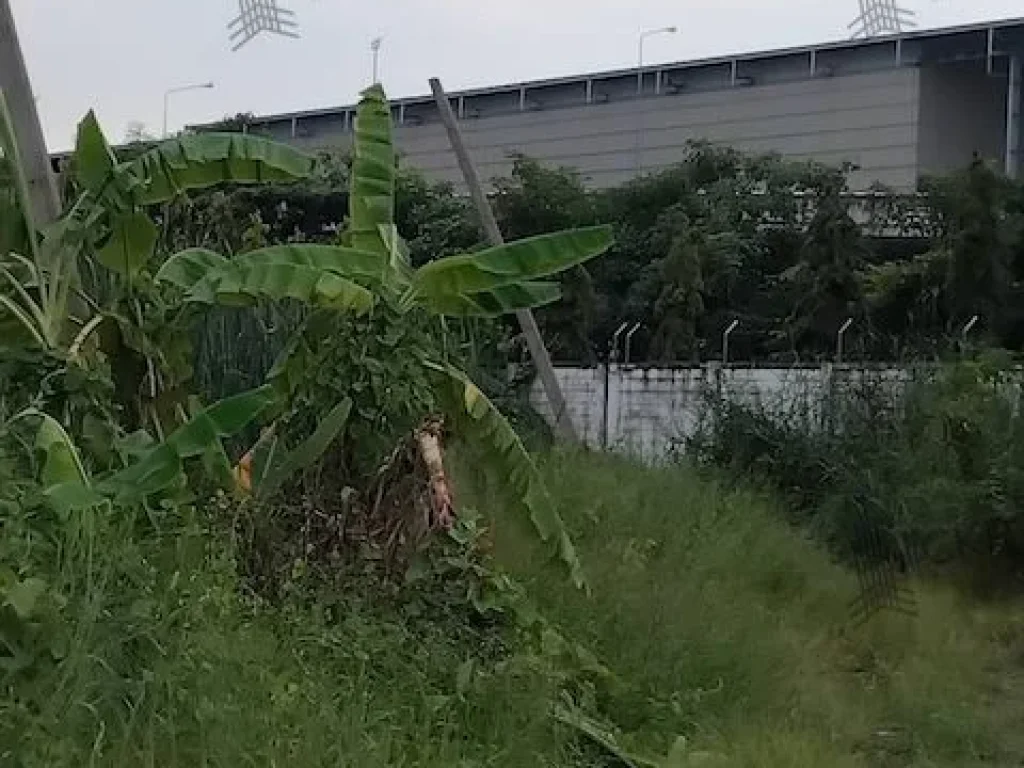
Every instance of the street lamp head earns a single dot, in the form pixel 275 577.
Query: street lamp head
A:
pixel 660 31
pixel 207 85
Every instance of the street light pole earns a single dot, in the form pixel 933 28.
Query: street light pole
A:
pixel 375 48
pixel 644 34
pixel 171 91
pixel 638 150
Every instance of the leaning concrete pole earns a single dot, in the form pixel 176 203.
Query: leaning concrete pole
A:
pixel 15 83
pixel 538 351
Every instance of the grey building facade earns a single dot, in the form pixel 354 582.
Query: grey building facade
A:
pixel 898 108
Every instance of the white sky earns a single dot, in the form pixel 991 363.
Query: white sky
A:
pixel 120 56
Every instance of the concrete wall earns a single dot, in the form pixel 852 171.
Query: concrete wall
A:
pixel 648 412
pixel 962 112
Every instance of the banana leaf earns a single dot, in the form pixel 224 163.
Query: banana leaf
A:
pixel 500 301
pixel 162 466
pixel 131 243
pixel 478 417
pixel 241 284
pixel 344 262
pixel 207 159
pixel 512 263
pixel 94 161
pixel 372 187
pixel 65 483
pixel 60 460
pixel 307 453
pixel 186 268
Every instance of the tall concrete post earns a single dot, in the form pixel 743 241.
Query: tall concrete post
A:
pixel 28 130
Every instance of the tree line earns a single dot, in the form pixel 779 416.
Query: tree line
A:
pixel 783 247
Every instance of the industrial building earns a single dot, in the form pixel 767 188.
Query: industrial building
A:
pixel 898 107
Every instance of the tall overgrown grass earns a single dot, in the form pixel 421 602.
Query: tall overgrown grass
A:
pixel 145 648
pixel 724 626
pixel 713 632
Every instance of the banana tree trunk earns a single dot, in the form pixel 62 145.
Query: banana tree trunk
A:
pixel 17 87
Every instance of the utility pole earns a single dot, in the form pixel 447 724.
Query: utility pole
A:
pixel 15 83
pixel 527 322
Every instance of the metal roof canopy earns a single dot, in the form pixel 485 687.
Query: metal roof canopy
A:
pixel 970 42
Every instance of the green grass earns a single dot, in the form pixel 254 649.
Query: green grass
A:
pixel 703 599
pixel 718 623
pixel 169 663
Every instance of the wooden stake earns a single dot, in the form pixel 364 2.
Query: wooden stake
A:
pixel 527 323
pixel 28 131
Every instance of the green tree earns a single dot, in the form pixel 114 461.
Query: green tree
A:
pixel 536 199
pixel 680 305
pixel 373 310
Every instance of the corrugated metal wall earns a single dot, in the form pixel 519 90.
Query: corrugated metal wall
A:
pixel 868 119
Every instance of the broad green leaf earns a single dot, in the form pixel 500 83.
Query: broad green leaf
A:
pixel 186 268
pixel 66 498
pixel 61 463
pixel 372 187
pixel 308 452
pixel 478 417
pixel 133 237
pixel 516 262
pixel 291 366
pixel 344 262
pixel 161 467
pixel 222 419
pixel 316 287
pixel 214 458
pixel 207 159
pixel 156 471
pixel 94 160
pixel 397 250
pixel 500 301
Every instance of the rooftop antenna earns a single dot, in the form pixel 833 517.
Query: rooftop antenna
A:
pixel 256 16
pixel 881 17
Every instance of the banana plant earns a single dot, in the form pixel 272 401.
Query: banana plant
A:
pixel 107 221
pixel 35 282
pixel 158 466
pixel 371 266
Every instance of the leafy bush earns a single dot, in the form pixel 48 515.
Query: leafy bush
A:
pixel 937 469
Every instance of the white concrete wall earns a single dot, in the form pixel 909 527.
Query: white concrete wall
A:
pixel 649 411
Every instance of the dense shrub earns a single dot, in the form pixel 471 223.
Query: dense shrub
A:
pixel 937 470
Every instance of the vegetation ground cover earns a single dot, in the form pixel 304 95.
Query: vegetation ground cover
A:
pixel 208 561
pixel 710 620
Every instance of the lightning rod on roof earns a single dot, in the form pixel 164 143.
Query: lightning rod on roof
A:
pixel 881 17
pixel 256 16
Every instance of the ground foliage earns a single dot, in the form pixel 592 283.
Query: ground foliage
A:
pixel 928 464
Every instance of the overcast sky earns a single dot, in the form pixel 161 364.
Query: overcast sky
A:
pixel 120 56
